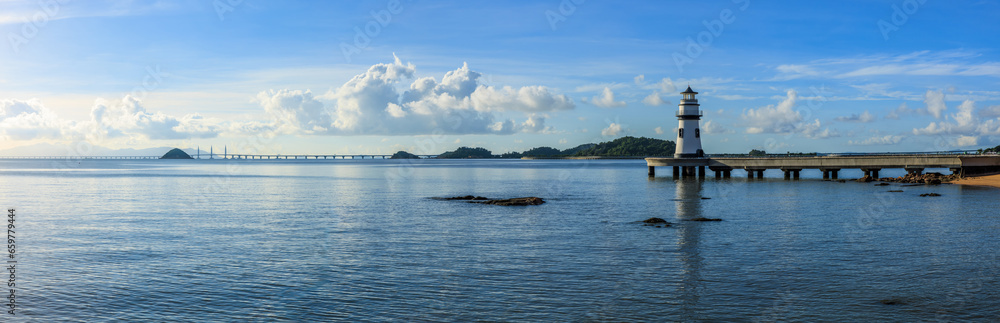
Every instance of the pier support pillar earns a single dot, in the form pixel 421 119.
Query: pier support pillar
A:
pixel 701 171
pixel 760 174
pixel 689 171
pixel 956 171
pixel 791 173
pixel 677 172
pixel 749 174
pixel 826 174
pixel 727 173
pixel 718 174
pixel 914 171
pixel 652 171
pixel 873 172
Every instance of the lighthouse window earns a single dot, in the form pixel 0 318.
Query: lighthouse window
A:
pixel 697 133
pixel 680 133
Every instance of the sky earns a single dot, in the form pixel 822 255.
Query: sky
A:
pixel 376 77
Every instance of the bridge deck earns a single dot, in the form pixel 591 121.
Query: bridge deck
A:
pixel 231 156
pixel 957 163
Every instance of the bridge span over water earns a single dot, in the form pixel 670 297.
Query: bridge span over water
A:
pixel 829 165
pixel 222 157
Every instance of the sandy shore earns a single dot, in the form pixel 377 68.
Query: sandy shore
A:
pixel 990 180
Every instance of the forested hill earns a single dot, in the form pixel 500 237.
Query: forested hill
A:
pixel 631 147
pixel 621 147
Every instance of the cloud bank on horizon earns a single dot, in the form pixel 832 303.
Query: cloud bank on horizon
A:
pixel 845 84
pixel 370 103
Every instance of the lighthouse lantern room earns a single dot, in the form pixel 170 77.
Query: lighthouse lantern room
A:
pixel 688 130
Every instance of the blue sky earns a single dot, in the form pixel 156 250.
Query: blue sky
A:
pixel 429 76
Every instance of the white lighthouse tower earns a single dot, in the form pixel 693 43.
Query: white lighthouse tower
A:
pixel 688 131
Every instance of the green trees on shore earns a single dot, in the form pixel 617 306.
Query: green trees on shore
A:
pixel 466 152
pixel 631 147
pixel 621 147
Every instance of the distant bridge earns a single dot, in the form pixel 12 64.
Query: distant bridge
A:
pixel 258 157
pixel 230 156
pixel 79 157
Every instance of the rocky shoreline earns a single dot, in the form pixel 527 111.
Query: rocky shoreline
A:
pixel 929 178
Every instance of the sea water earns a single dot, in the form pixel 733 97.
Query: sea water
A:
pixel 358 240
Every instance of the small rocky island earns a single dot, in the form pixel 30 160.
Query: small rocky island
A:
pixel 404 155
pixel 176 153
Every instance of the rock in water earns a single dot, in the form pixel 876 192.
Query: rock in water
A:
pixel 930 194
pixel 865 179
pixel 176 153
pixel 520 201
pixel 654 220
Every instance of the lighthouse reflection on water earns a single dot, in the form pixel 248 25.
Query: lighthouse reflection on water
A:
pixel 688 206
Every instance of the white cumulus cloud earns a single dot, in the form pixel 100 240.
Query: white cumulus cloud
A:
pixel 371 104
pixel 877 140
pixel 26 120
pixel 935 103
pixel 607 99
pixel 774 119
pixel 784 119
pixel 613 129
pixel 654 100
pixel 864 117
pixel 129 118
pixel 711 127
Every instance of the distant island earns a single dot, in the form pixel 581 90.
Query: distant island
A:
pixel 176 153
pixel 404 155
pixel 622 147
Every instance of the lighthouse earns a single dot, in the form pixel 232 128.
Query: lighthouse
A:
pixel 688 131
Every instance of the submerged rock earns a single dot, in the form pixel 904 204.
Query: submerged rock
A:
pixel 895 191
pixel 882 184
pixel 657 222
pixel 892 301
pixel 504 202
pixel 701 219
pixel 930 194
pixel 520 201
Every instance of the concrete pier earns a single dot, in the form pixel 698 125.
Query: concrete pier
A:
pixel 829 165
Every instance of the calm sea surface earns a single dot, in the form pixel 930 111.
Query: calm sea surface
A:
pixel 360 240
